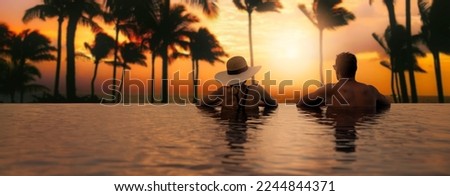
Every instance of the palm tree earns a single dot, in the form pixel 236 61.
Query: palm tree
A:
pixel 78 11
pixel 410 67
pixel 395 48
pixel 151 42
pixel 326 15
pixel 99 50
pixel 4 76
pixel 435 33
pixel 130 53
pixel 203 46
pixel 164 27
pixel 14 78
pixel 122 14
pixel 412 78
pixel 50 9
pixel 27 46
pixel 260 6
pixel 209 7
pixel 403 59
pixel 5 37
pixel 169 32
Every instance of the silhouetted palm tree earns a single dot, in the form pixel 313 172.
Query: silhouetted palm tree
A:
pixel 4 76
pixel 151 41
pixel 50 9
pixel 402 61
pixel 122 14
pixel 395 47
pixel 435 33
pixel 260 6
pixel 5 37
pixel 209 7
pixel 164 27
pixel 203 46
pixel 27 46
pixel 99 50
pixel 130 53
pixel 14 79
pixel 412 78
pixel 168 32
pixel 78 11
pixel 326 15
pixel 5 40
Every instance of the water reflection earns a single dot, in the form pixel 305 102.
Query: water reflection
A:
pixel 344 122
pixel 236 127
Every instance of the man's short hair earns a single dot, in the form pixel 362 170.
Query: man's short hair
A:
pixel 347 64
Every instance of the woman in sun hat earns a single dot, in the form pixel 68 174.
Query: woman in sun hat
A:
pixel 235 95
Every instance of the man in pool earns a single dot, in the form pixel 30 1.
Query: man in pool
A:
pixel 347 92
pixel 236 96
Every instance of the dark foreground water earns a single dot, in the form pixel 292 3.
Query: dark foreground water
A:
pixel 90 139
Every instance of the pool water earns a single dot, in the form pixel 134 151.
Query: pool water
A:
pixel 92 139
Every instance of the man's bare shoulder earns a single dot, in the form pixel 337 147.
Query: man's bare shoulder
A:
pixel 372 88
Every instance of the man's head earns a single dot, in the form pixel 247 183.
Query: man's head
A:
pixel 346 65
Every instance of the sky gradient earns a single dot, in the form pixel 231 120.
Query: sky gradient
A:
pixel 285 44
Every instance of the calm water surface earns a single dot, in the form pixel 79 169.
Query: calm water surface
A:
pixel 90 139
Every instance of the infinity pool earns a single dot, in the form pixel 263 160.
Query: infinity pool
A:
pixel 91 139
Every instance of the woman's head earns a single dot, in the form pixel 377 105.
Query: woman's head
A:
pixel 237 71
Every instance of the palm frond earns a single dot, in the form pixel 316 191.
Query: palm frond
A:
pixel 239 4
pixel 424 11
pixel 85 21
pixel 386 64
pixel 209 7
pixel 381 42
pixel 82 55
pixel 269 6
pixel 35 88
pixel 39 11
pixel 308 14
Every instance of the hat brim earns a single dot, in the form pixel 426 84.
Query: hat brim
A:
pixel 228 80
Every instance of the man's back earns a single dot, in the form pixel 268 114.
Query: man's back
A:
pixel 346 94
pixel 355 94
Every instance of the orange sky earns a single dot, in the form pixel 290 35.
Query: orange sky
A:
pixel 285 44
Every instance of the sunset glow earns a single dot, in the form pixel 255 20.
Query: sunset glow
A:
pixel 285 44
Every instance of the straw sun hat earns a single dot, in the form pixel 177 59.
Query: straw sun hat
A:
pixel 237 71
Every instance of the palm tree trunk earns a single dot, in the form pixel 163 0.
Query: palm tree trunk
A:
pixel 12 94
pixel 93 79
pixel 116 50
pixel 403 86
pixel 196 82
pixel 193 81
pixel 390 6
pixel 70 75
pixel 165 60
pixel 321 55
pixel 394 95
pixel 22 92
pixel 437 70
pixel 21 78
pixel 122 98
pixel 165 82
pixel 250 40
pixel 397 88
pixel 152 82
pixel 58 57
pixel 412 79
